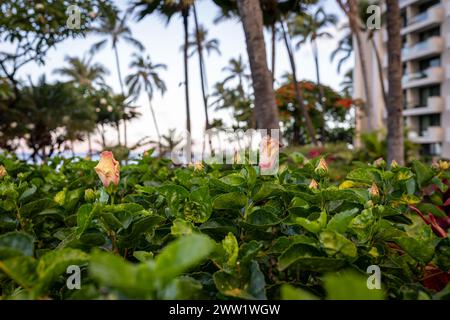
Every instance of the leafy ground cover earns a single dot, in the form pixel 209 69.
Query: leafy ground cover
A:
pixel 223 231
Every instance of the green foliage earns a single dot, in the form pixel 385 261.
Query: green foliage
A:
pixel 223 232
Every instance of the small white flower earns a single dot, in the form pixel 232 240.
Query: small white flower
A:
pixel 13 125
pixel 27 136
pixel 39 6
pixel 109 108
pixel 97 110
pixel 30 126
pixel 103 101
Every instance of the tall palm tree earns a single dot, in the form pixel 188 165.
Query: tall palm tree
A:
pixel 297 90
pixel 237 70
pixel 310 28
pixel 84 74
pixel 395 95
pixel 351 10
pixel 146 78
pixel 198 43
pixel 115 29
pixel 344 49
pixel 168 8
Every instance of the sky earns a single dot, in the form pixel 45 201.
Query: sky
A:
pixel 162 43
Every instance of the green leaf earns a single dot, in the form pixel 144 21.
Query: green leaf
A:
pixel 250 284
pixel 340 221
pixel 84 218
pixel 337 245
pixel 313 226
pixel 21 269
pixel 232 200
pixel 182 254
pixel 364 175
pixel 55 263
pixel 289 292
pixel 15 244
pixel 417 249
pixel 231 247
pixel 28 193
pixel 199 208
pixel 423 172
pixel 348 285
pixel 233 179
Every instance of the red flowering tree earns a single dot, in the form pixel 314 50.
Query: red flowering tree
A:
pixel 336 119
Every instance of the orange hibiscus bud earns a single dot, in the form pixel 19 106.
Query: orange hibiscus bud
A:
pixel 374 191
pixel 3 171
pixel 322 167
pixel 313 184
pixel 268 161
pixel 108 169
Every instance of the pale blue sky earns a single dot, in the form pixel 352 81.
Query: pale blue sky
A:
pixel 162 42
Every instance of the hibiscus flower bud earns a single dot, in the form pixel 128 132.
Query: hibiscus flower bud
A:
pixel 108 169
pixel 89 195
pixel 374 191
pixel 379 163
pixel 3 171
pixel 198 165
pixel 322 167
pixel 394 164
pixel 268 157
pixel 444 165
pixel 313 184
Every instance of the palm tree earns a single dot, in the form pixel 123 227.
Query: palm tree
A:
pixel 167 9
pixel 298 92
pixel 115 29
pixel 237 69
pixel 146 77
pixel 344 48
pixel 395 95
pixel 266 112
pixel 84 74
pixel 199 43
pixel 310 28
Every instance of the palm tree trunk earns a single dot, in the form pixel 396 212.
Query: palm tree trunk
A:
pixel 89 144
pixel 380 70
pixel 298 93
pixel 321 92
pixel 274 40
pixel 201 63
pixel 352 14
pixel 186 73
pixel 155 122
pixel 265 107
pixel 395 96
pixel 123 93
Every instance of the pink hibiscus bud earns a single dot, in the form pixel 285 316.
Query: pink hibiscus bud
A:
pixel 374 191
pixel 394 164
pixel 379 163
pixel 313 184
pixel 3 171
pixel 108 169
pixel 322 167
pixel 268 161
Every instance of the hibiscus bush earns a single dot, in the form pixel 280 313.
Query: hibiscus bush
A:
pixel 153 230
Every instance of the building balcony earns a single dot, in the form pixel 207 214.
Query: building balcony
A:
pixel 433 16
pixel 431 46
pixel 434 105
pixel 430 135
pixel 423 78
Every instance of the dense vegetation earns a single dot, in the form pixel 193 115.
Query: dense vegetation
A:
pixel 223 231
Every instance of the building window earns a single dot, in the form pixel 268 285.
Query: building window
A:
pixel 430 150
pixel 425 6
pixel 432 120
pixel 429 63
pixel 423 36
pixel 426 92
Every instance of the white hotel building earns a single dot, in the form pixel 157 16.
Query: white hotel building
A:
pixel 426 75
